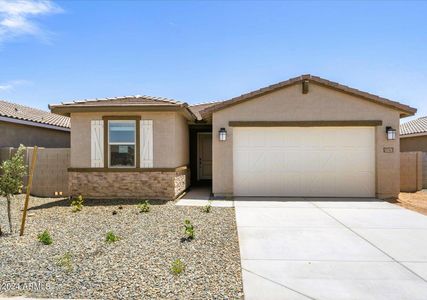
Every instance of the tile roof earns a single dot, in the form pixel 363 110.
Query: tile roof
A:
pixel 197 108
pixel 405 109
pixel 25 113
pixel 414 127
pixel 122 100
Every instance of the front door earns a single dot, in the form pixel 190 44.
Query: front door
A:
pixel 204 155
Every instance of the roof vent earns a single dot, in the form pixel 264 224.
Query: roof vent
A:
pixel 305 86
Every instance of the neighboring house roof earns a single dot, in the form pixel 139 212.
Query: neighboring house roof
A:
pixel 414 127
pixel 115 103
pixel 197 108
pixel 404 109
pixel 16 113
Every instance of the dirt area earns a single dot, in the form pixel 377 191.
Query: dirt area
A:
pixel 414 201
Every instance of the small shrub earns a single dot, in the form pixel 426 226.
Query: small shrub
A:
pixel 177 267
pixel 144 207
pixel 188 229
pixel 66 262
pixel 45 238
pixel 110 237
pixel 77 204
pixel 12 173
pixel 207 208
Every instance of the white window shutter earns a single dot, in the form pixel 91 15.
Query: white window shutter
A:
pixel 97 143
pixel 146 140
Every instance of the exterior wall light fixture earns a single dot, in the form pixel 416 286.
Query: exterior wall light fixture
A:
pixel 222 134
pixel 391 133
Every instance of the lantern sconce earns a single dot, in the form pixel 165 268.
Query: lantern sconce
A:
pixel 222 134
pixel 391 133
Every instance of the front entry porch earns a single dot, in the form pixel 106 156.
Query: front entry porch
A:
pixel 201 155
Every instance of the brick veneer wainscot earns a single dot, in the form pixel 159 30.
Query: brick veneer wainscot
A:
pixel 136 185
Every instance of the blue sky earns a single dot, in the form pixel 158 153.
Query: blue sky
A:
pixel 203 51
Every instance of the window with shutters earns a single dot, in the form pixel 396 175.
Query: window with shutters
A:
pixel 122 143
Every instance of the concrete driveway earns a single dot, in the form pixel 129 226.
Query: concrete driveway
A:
pixel 320 249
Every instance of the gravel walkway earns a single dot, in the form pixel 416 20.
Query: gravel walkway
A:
pixel 135 267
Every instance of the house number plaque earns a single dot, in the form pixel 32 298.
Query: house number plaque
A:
pixel 388 149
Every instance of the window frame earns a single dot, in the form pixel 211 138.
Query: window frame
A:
pixel 107 152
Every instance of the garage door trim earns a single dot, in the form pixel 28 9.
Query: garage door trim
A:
pixel 338 123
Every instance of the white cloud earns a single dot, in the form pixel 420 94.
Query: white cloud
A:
pixel 10 85
pixel 17 17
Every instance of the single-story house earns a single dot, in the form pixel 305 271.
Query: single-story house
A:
pixel 32 127
pixel 413 135
pixel 303 137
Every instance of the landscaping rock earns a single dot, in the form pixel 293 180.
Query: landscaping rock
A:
pixel 138 265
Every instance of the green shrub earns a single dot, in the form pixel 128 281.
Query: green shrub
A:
pixel 188 229
pixel 110 237
pixel 207 208
pixel 77 204
pixel 45 238
pixel 66 262
pixel 12 172
pixel 177 267
pixel 144 207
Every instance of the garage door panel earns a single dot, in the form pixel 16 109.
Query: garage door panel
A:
pixel 354 160
pixel 292 184
pixel 317 161
pixel 323 161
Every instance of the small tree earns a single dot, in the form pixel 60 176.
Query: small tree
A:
pixel 12 174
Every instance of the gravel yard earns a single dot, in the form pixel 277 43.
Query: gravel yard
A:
pixel 136 266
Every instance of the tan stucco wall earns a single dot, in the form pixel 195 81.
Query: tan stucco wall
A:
pixel 12 135
pixel 289 104
pixel 182 143
pixel 416 143
pixel 170 137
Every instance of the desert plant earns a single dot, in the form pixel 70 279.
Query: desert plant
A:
pixel 12 175
pixel 66 262
pixel 144 207
pixel 207 208
pixel 77 203
pixel 177 267
pixel 45 238
pixel 188 229
pixel 110 237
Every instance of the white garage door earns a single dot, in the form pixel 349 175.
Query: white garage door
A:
pixel 304 161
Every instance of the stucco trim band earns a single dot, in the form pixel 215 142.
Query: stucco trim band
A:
pixel 304 123
pixel 112 170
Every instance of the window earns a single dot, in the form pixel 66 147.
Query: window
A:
pixel 122 143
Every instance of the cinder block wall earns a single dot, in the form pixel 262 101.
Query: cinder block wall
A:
pixel 50 174
pixel 411 171
pixel 425 170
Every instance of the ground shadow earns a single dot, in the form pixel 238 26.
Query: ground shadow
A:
pixel 305 199
pixel 65 202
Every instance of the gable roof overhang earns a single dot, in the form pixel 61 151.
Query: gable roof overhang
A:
pixel 404 110
pixel 123 104
pixel 411 135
